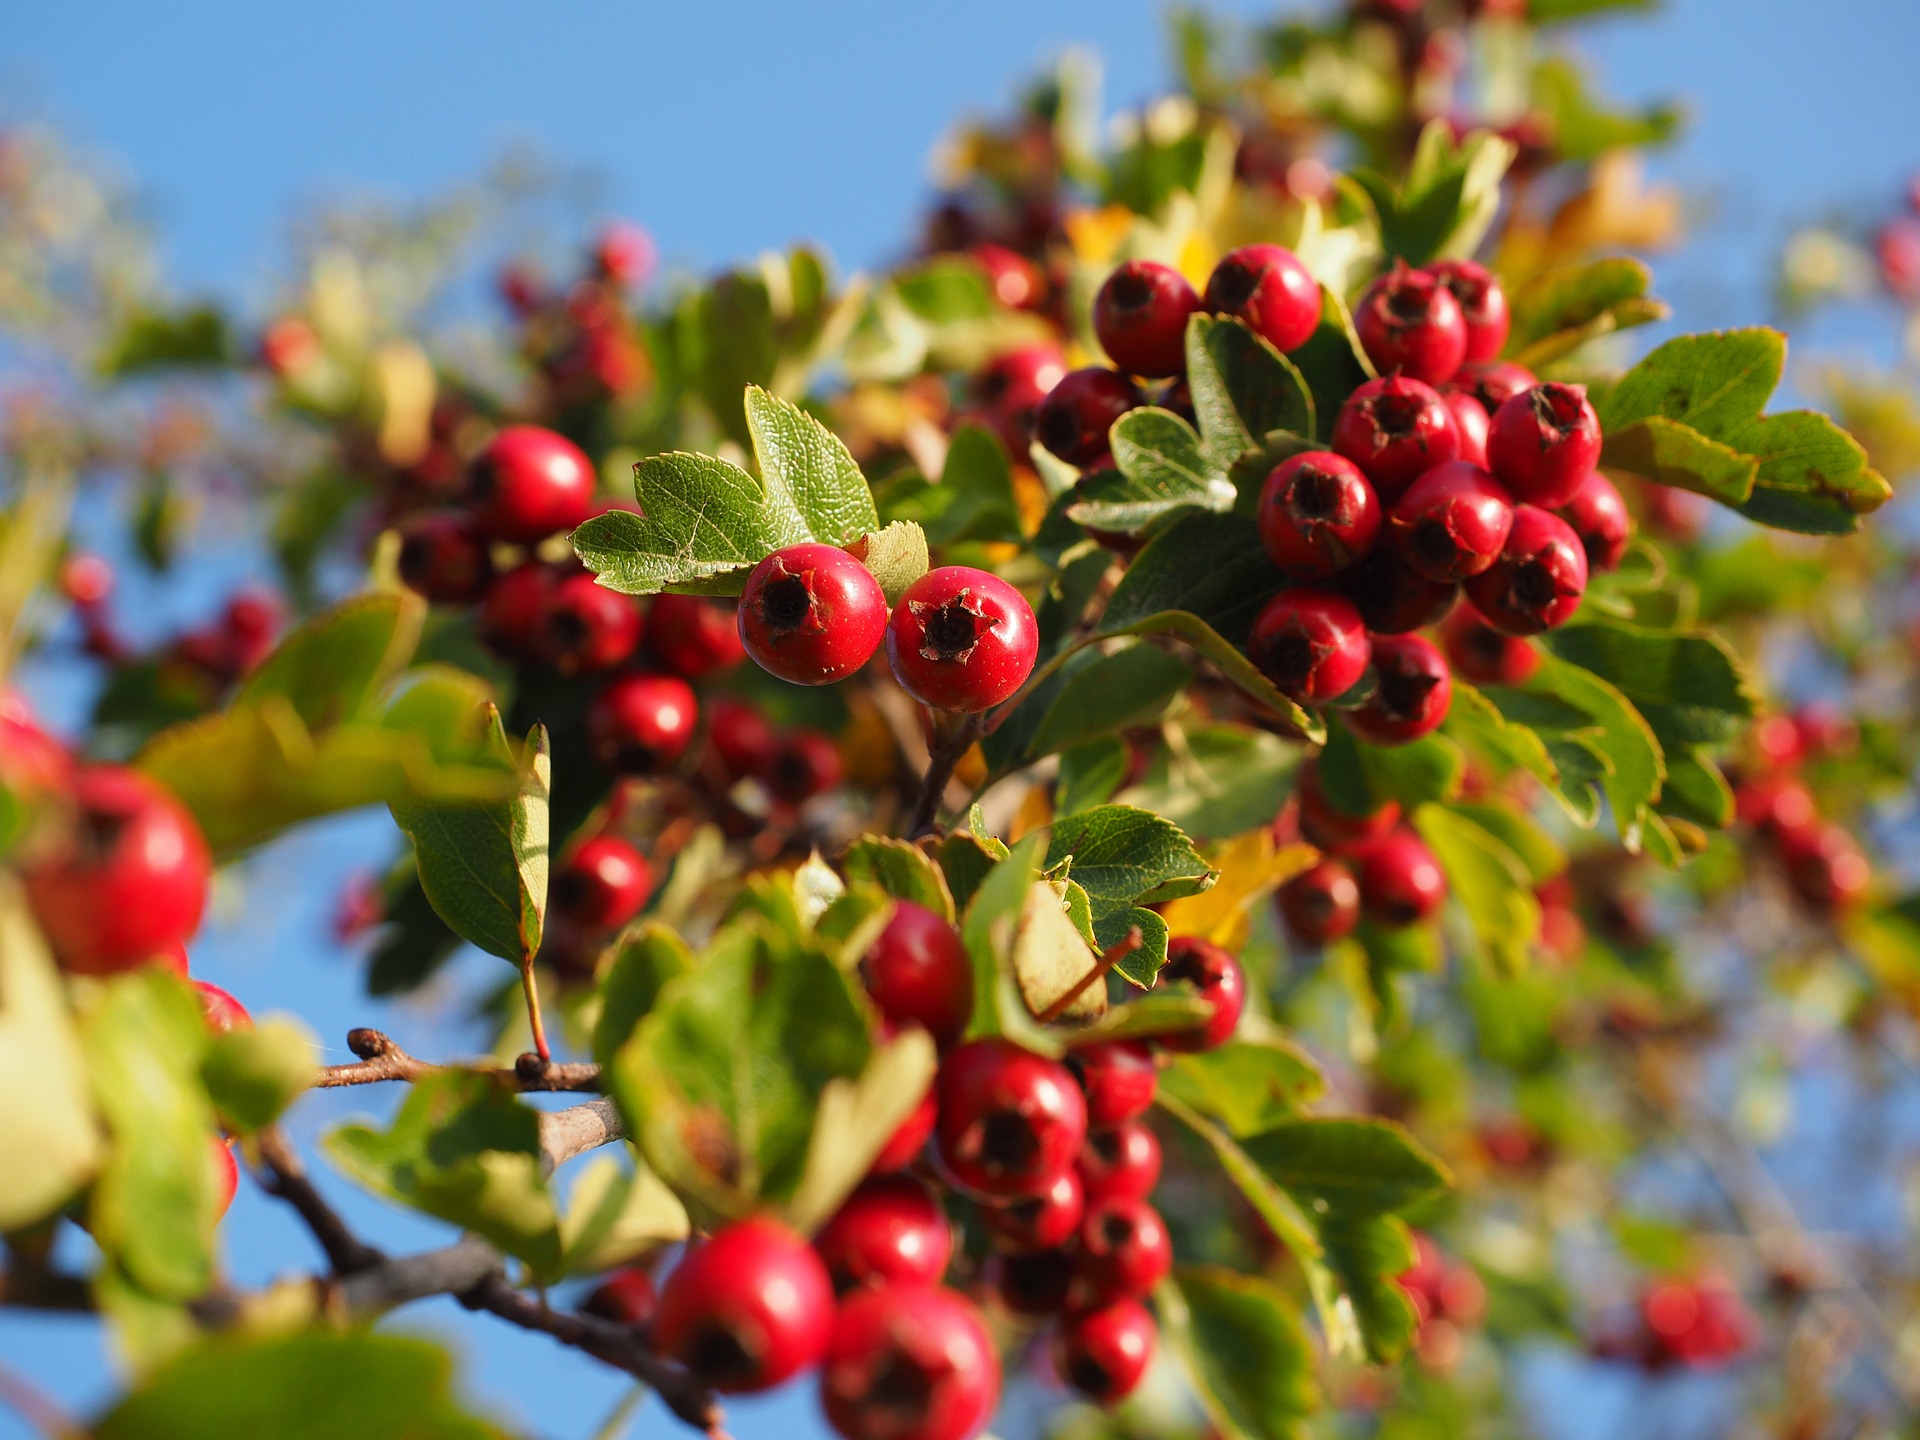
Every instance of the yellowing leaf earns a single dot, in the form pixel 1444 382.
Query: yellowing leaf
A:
pixel 1251 867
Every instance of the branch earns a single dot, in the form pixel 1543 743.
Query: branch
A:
pixel 381 1059
pixel 26 1286
pixel 576 1130
pixel 281 1174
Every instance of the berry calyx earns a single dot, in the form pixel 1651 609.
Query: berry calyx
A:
pixel 1217 978
pixel 1452 522
pixel 530 483
pixel 641 724
pixel 1010 1121
pixel 747 1308
pixel 1120 1161
pixel 1539 579
pixel 626 1297
pixel 1410 324
pixel 918 973
pixel 1073 421
pixel 692 636
pixel 1395 429
pixel 1038 1222
pixel 1471 424
pixel 1400 881
pixel 222 1011
pixel 1311 643
pixel 1321 903
pixel 804 763
pixel 811 614
pixel 1267 287
pixel 444 557
pixel 603 884
pixel 1124 1251
pixel 1317 515
pixel 1140 316
pixel 587 627
pixel 961 639
pixel 890 1230
pixel 1600 518
pixel 1483 305
pixel 1117 1077
pixel 1412 693
pixel 909 1362
pixel 1485 655
pixel 1104 1353
pixel 1544 443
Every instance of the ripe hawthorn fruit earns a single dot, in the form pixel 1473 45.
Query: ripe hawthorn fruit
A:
pixel 693 637
pixel 1412 693
pixel 740 736
pixel 1104 1353
pixel 1544 443
pixel 1400 881
pixel 1484 655
pixel 1124 1251
pixel 1493 382
pixel 1073 421
pixel 1016 281
pixel 1118 1078
pixel 909 1362
pixel 641 724
pixel 1317 515
pixel 1031 1286
pixel 627 1297
pixel 961 639
pixel 903 1147
pixel 1599 517
pixel 889 1231
pixel 1311 643
pixel 1119 1161
pixel 1009 1121
pixel 1011 388
pixel 1267 287
pixel 586 627
pixel 1483 305
pixel 1825 866
pixel 1219 981
pixel 445 558
pixel 513 607
pixel 1321 903
pixel 1038 1222
pixel 603 884
pixel 530 483
pixel 1471 424
pixel 1327 825
pixel 1451 522
pixel 226 1176
pixel 223 1012
pixel 1410 324
pixel 746 1308
pixel 811 614
pixel 804 763
pixel 1539 579
pixel 917 973
pixel 1140 317
pixel 1395 429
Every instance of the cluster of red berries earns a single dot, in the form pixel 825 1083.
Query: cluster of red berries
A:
pixel 206 659
pixel 1371 864
pixel 1448 1298
pixel 582 342
pixel 1824 864
pixel 1699 1323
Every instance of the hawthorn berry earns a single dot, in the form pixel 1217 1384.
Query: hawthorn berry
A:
pixel 530 483
pixel 1073 421
pixel 226 1176
pixel 1485 655
pixel 1311 643
pixel 1544 443
pixel 222 1011
pixel 248 626
pixel 961 639
pixel 1038 1222
pixel 811 614
pixel 1677 515
pixel 641 724
pixel 1410 324
pixel 1016 281
pixel 1317 515
pixel 693 637
pixel 1699 1323
pixel 1825 866
pixel 747 1308
pixel 1330 827
pixel 1031 1286
pixel 1395 429
pixel 1400 881
pixel 586 627
pixel 909 1138
pixel 513 607
pixel 909 1362
pixel 918 973
pixel 86 579
pixel 627 1297
pixel 625 254
pixel 1412 693
pixel 805 763
pixel 288 346
pixel 129 878
pixel 1117 1077
pixel 1538 580
pixel 1217 978
pixel 1599 517
pixel 1483 305
pixel 1141 315
pixel 1124 1250
pixel 1119 1161
pixel 1011 388
pixel 889 1231
pixel 1451 522
pixel 1104 1353
pixel 1471 424
pixel 1009 1121
pixel 1493 382
pixel 444 557
pixel 1267 287
pixel 1321 903
pixel 603 884
pixel 740 736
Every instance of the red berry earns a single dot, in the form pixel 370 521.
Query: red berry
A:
pixel 693 637
pixel 1392 597
pixel 1410 324
pixel 223 1012
pixel 1395 429
pixel 1412 692
pixel 85 578
pixel 1124 1250
pixel 444 557
pixel 1032 1286
pixel 1310 643
pixel 1538 580
pixel 1331 828
pixel 1452 522
pixel 1599 517
pixel 129 880
pixel 890 1231
pixel 1141 315
pixel 1677 515
pixel 641 724
pixel 1012 387
pixel 1544 443
pixel 587 627
pixel 1322 903
pixel 626 1297
pixel 1016 281
pixel 603 884
pixel 1217 978
pixel 530 483
pixel 1317 515
pixel 1471 424
pixel 1483 305
pixel 961 639
pixel 747 1308
pixel 740 737
pixel 909 1362
pixel 1104 1353
pixel 1038 1222
pixel 903 1147
pixel 1400 881
pixel 804 764
pixel 1267 287
pixel 1010 1121
pixel 514 605
pixel 1483 654
pixel 625 254
pixel 1073 421
pixel 1493 382
pixel 248 627
pixel 288 346
pixel 1825 866
pixel 226 1177
pixel 918 973
pixel 1120 1161
pixel 811 614
pixel 1118 1078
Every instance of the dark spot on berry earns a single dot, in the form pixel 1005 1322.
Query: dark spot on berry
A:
pixel 952 631
pixel 720 1355
pixel 1533 587
pixel 1319 496
pixel 1233 284
pixel 1433 542
pixel 1089 1376
pixel 1105 1145
pixel 1008 1144
pixel 901 1391
pixel 1116 1230
pixel 786 602
pixel 1403 693
pixel 1131 289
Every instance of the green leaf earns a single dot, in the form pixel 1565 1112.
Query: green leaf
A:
pixel 194 337
pixel 1713 383
pixel 1126 858
pixel 727 339
pixel 1225 780
pixel 987 930
pixel 1670 453
pixel 1448 199
pixel 1124 688
pixel 1365 1254
pixel 1242 388
pixel 1332 363
pixel 896 555
pixel 615 1216
pixel 964 863
pixel 1583 129
pixel 337 666
pixel 1491 883
pixel 1607 727
pixel 1694 673
pixel 1091 773
pixel 1247 1085
pixel 1536 850
pixel 1477 723
pixel 1241 1341
pixel 254 1072
pixel 1556 313
pixel 854 1121
pixel 705 524
pixel 1161 470
pixel 901 869
pixel 1356 1167
pixel 1165 1010
pixel 1814 477
pixel 975 499
pixel 645 959
pixel 813 485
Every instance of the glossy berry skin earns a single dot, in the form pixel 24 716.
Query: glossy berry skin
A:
pixel 1038 1222
pixel 1600 518
pixel 903 1147
pixel 1483 305
pixel 1825 866
pixel 1471 424
pixel 444 557
pixel 603 884
pixel 1010 1121
pixel 626 1297
pixel 740 736
pixel 1331 828
pixel 514 606
pixel 961 639
pixel 747 1308
pixel 1073 421
pixel 1395 429
pixel 1317 515
pixel 1483 654
pixel 1016 281
pixel 1452 522
pixel 909 1362
pixel 918 973
pixel 1311 643
pixel 1493 382
pixel 1012 387
pixel 811 614
pixel 530 483
pixel 1267 287
pixel 890 1231
pixel 1321 904
pixel 1119 1162
pixel 1031 1286
pixel 1410 324
pixel 223 1012
pixel 1141 315
pixel 1117 1077
pixel 1538 580
pixel 1124 1251
pixel 625 253
pixel 1544 443
pixel 1400 881
pixel 1105 1353
pixel 226 1177
pixel 587 627
pixel 1218 979
pixel 804 763
pixel 693 637
pixel 128 882
pixel 641 724
pixel 1412 693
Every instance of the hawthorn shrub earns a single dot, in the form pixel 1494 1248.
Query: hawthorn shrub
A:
pixel 1183 803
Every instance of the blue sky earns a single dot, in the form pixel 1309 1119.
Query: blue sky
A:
pixel 726 129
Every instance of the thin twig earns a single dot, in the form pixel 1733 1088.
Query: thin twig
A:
pixel 281 1174
pixel 37 1408
pixel 26 1286
pixel 382 1059
pixel 530 986
pixel 1109 958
